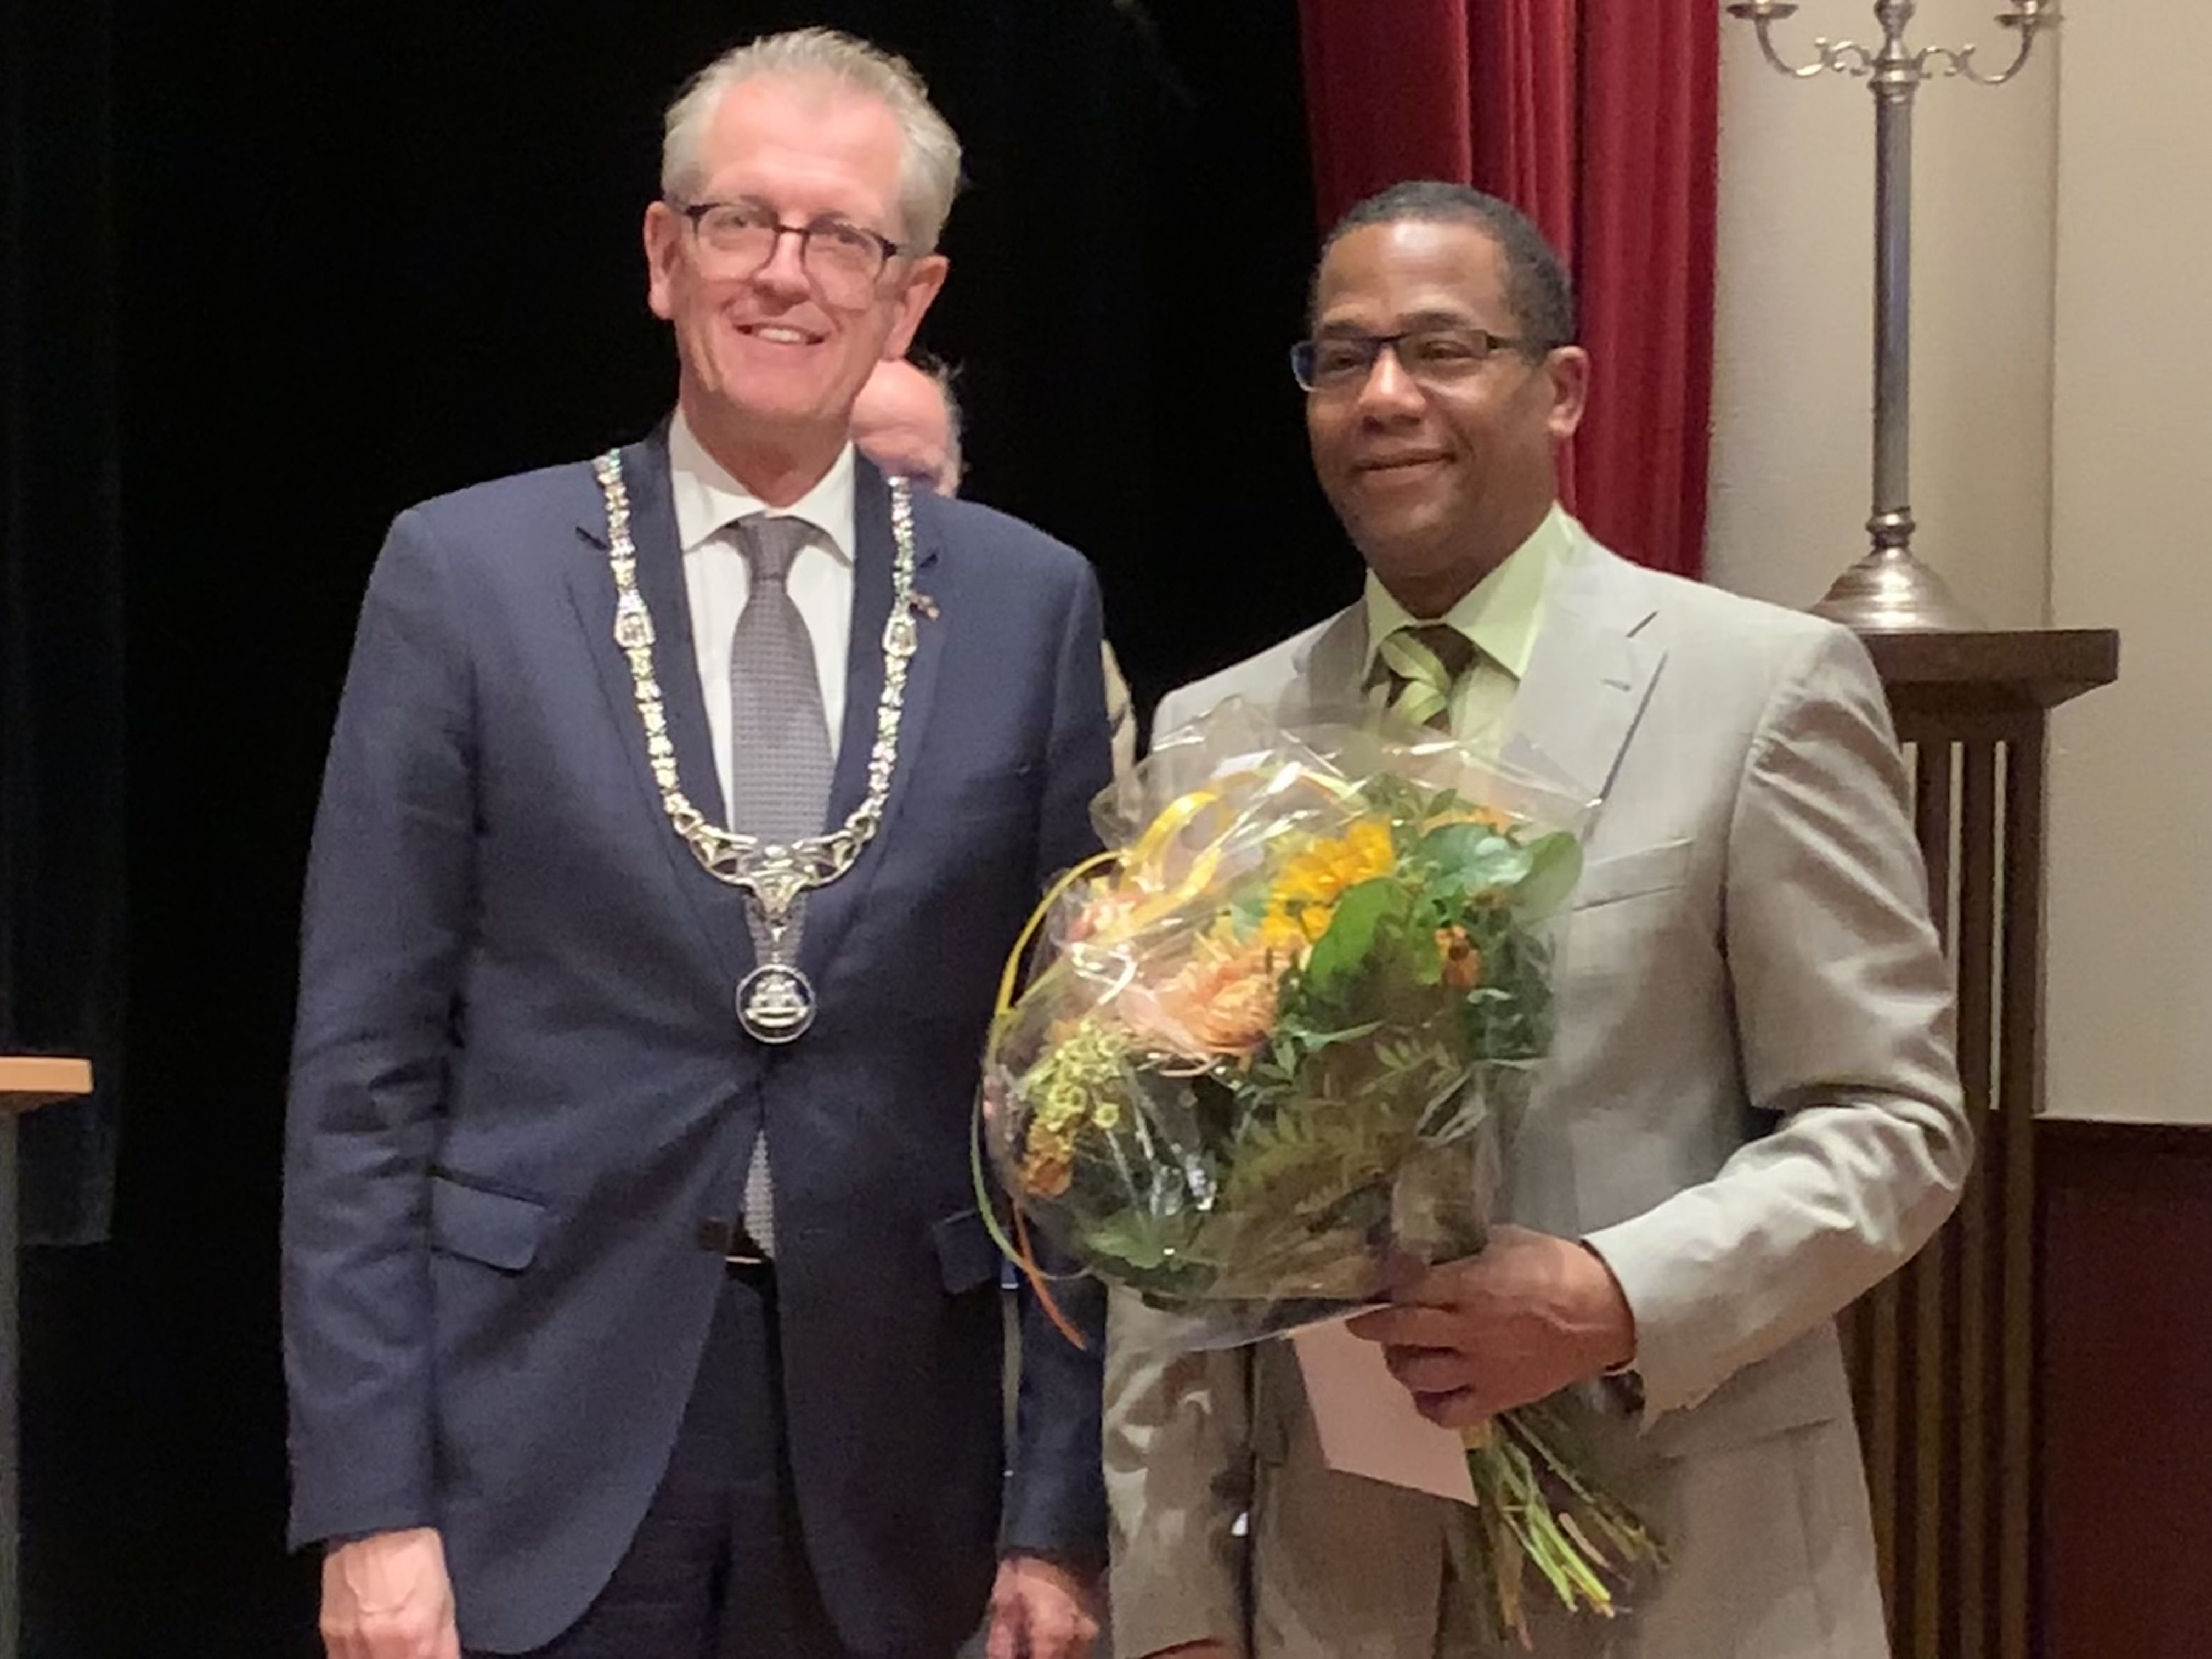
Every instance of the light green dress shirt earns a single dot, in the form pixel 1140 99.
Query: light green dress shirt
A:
pixel 1501 614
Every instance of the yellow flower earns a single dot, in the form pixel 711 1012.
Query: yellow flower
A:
pixel 1284 936
pixel 1303 901
pixel 1320 873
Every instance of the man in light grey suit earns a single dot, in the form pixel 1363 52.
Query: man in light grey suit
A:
pixel 1751 1113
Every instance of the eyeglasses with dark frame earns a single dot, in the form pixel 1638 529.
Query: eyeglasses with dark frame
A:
pixel 843 258
pixel 1438 356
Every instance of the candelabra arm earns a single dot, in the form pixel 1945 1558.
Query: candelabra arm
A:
pixel 1844 57
pixel 1948 61
pixel 2027 19
pixel 1805 72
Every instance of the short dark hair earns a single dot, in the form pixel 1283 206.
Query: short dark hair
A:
pixel 1537 285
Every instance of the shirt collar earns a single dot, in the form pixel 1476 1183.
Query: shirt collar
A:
pixel 1502 612
pixel 708 499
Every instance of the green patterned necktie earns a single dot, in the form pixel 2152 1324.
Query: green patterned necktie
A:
pixel 1421 665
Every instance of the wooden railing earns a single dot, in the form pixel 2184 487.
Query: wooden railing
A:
pixel 1943 1354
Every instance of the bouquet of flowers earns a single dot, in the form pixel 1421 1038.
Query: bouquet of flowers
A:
pixel 1281 1036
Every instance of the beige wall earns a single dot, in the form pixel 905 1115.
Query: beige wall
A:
pixel 2130 978
pixel 2062 447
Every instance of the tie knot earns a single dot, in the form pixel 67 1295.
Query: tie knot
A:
pixel 770 544
pixel 1428 653
pixel 1417 667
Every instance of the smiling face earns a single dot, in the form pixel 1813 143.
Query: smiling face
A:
pixel 770 367
pixel 1437 482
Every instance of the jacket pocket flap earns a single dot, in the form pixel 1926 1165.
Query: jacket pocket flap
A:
pixel 965 1255
pixel 497 1229
pixel 1626 875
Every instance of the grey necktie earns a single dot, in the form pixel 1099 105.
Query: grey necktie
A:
pixel 780 760
pixel 779 765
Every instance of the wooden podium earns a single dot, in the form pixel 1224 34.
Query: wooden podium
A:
pixel 1943 1353
pixel 26 1082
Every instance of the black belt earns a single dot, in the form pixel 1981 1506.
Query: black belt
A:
pixel 741 1251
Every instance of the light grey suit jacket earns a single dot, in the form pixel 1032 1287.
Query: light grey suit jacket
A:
pixel 1752 1113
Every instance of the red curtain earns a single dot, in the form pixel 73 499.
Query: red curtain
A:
pixel 1599 119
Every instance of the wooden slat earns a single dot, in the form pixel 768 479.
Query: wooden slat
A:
pixel 1918 1589
pixel 1933 824
pixel 1980 1361
pixel 1880 1429
pixel 1921 1590
pixel 2019 1089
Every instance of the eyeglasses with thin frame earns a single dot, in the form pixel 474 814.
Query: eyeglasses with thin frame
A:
pixel 841 258
pixel 1433 357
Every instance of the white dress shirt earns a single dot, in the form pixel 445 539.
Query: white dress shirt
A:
pixel 717 582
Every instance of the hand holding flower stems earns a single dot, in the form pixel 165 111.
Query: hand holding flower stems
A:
pixel 1528 1317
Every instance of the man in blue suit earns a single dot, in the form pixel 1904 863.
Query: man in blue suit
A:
pixel 681 810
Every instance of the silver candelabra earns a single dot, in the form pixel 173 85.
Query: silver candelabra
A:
pixel 1889 589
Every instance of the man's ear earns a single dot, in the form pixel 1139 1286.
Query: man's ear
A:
pixel 663 249
pixel 922 285
pixel 1567 368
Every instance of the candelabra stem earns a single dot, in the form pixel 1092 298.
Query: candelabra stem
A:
pixel 1895 85
pixel 1889 589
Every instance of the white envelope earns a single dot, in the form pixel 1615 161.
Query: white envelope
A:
pixel 1368 1423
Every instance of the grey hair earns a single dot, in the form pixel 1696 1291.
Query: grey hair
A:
pixel 929 170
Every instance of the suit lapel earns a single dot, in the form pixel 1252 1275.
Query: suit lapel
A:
pixel 1328 674
pixel 719 907
pixel 1588 676
pixel 829 910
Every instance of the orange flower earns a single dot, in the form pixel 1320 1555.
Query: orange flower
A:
pixel 1048 1166
pixel 1463 961
pixel 1222 1003
pixel 1046 1178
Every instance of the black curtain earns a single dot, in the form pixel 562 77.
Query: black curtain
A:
pixel 61 603
pixel 362 254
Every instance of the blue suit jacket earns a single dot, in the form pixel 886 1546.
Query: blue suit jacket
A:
pixel 519 1087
